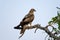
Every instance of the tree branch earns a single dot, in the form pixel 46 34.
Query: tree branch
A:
pixel 38 26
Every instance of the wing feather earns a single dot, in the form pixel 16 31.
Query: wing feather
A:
pixel 27 19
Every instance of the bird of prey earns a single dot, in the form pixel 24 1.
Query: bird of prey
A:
pixel 26 20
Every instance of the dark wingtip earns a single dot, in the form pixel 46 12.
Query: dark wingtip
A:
pixel 17 28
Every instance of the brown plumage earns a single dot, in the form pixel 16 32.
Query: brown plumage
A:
pixel 26 20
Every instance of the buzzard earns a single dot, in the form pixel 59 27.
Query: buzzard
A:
pixel 26 20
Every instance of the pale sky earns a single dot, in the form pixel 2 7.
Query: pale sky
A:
pixel 13 11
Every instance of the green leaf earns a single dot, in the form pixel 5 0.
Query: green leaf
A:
pixel 59 25
pixel 54 18
pixel 50 22
pixel 55 29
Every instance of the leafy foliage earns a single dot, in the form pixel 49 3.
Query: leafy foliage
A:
pixel 55 20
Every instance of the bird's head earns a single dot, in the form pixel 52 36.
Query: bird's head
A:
pixel 32 10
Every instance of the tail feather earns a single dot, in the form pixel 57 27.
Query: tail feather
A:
pixel 22 31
